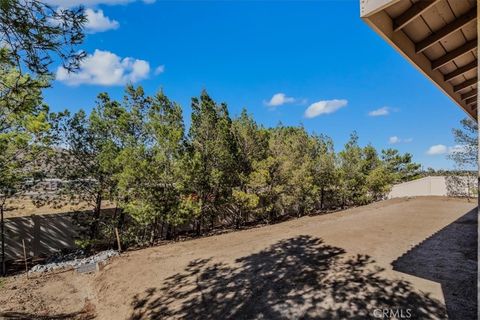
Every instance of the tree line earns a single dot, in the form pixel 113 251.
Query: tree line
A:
pixel 163 178
pixel 138 156
pixel 160 177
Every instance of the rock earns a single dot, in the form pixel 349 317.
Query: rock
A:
pixel 72 260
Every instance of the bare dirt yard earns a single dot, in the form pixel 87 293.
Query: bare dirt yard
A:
pixel 22 207
pixel 410 257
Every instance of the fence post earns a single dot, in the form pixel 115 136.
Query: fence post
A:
pixel 25 257
pixel 118 240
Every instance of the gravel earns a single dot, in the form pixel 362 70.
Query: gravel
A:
pixel 74 259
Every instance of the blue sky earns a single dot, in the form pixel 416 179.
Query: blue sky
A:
pixel 313 63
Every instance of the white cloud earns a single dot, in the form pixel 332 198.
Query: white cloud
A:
pixel 396 140
pixel 324 107
pixel 279 99
pixel 98 22
pixel 437 149
pixel 384 111
pixel 159 69
pixel 443 149
pixel 90 3
pixel 106 68
pixel 393 140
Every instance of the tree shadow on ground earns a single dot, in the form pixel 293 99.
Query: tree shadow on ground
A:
pixel 297 278
pixel 449 257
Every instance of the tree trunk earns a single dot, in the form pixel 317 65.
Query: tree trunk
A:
pixel 199 224
pixel 153 231
pixel 113 224
pixel 238 218
pixel 322 197
pixel 170 232
pixel 96 217
pixel 121 219
pixel 115 212
pixel 152 236
pixel 271 215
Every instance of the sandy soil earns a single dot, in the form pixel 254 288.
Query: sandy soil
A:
pixel 334 266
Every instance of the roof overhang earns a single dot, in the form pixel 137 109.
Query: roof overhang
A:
pixel 439 37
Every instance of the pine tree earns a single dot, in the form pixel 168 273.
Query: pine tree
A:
pixel 401 166
pixel 325 173
pixel 213 155
pixel 352 179
pixel 24 138
pixel 252 144
pixel 86 159
pixel 466 137
pixel 150 179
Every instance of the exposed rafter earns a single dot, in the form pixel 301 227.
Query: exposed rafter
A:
pixel 445 31
pixel 456 73
pixel 465 84
pixel 460 51
pixel 471 101
pixel 469 94
pixel 413 12
pixel 437 25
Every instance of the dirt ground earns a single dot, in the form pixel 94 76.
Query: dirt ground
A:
pixel 22 207
pixel 335 266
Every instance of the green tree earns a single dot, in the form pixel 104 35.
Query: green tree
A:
pixel 379 182
pixel 29 39
pixel 36 34
pixel 401 166
pixel 86 161
pixel 378 178
pixel 24 140
pixel 325 174
pixel 150 179
pixel 252 143
pixel 284 180
pixel 461 182
pixel 370 159
pixel 466 137
pixel 352 179
pixel 32 36
pixel 213 154
pixel 265 181
pixel 295 149
pixel 251 140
